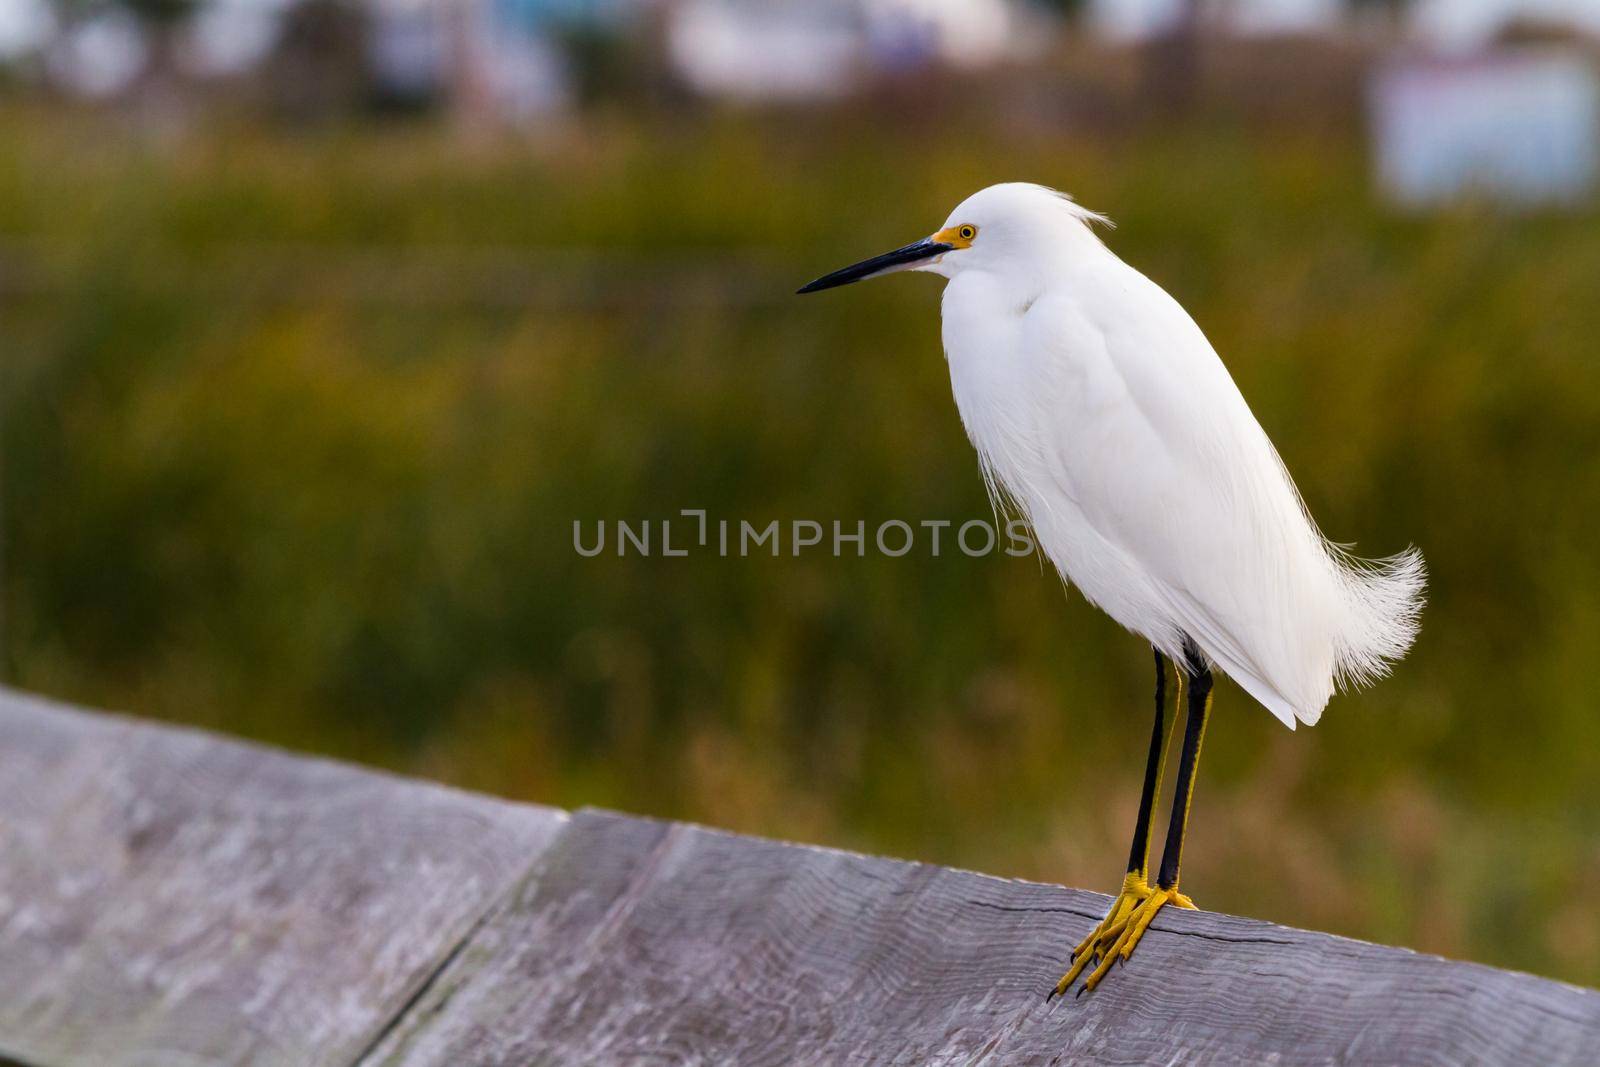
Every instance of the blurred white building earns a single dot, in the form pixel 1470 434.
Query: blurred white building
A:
pixel 807 49
pixel 1453 25
pixel 98 56
pixel 25 25
pixel 1137 20
pixel 493 58
pixel 765 50
pixel 1469 25
pixel 1522 128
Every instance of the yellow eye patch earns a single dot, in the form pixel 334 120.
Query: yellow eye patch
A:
pixel 957 236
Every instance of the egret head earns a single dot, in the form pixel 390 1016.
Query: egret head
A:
pixel 1004 227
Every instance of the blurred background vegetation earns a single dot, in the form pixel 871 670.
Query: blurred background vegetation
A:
pixel 297 416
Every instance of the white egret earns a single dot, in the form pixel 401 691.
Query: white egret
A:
pixel 1103 416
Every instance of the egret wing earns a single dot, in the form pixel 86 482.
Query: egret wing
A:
pixel 1160 455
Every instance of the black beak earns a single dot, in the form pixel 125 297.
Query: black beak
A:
pixel 888 263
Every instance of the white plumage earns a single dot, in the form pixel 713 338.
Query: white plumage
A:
pixel 1102 414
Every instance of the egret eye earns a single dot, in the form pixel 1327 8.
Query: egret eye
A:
pixel 968 232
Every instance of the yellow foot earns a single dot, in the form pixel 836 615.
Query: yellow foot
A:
pixel 1120 931
pixel 1135 890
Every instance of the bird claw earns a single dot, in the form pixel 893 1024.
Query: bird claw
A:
pixel 1119 933
pixel 1135 890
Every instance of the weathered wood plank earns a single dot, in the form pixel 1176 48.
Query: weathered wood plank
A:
pixel 172 898
pixel 644 942
pixel 169 898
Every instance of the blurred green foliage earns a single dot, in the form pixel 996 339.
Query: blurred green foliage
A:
pixel 295 429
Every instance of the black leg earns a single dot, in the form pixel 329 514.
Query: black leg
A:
pixel 1130 915
pixel 1194 729
pixel 1154 766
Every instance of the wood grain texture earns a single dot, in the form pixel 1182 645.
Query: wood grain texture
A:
pixel 637 942
pixel 170 898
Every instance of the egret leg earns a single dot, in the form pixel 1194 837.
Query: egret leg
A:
pixel 1136 884
pixel 1193 734
pixel 1155 768
pixel 1131 929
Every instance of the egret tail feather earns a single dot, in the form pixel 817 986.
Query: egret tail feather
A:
pixel 1385 600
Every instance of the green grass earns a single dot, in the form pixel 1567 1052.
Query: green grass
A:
pixel 295 429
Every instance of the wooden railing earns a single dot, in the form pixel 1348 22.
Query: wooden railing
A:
pixel 170 898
